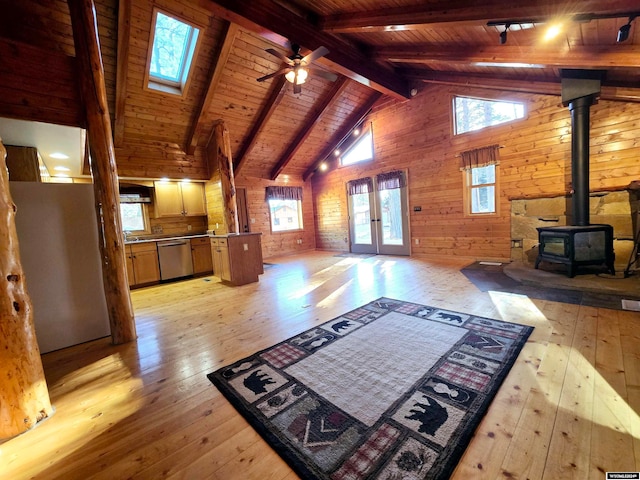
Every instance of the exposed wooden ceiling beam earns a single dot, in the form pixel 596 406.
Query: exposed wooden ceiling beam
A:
pixel 274 22
pixel 417 16
pixel 336 90
pixel 355 119
pixel 608 91
pixel 275 97
pixel 592 56
pixel 214 79
pixel 122 67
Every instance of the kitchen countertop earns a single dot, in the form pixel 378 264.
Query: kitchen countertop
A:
pixel 185 237
pixel 164 238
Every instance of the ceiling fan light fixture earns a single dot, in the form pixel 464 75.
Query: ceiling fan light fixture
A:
pixel 302 75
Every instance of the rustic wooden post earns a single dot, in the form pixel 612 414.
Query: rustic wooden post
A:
pixel 24 398
pixel 227 182
pixel 103 170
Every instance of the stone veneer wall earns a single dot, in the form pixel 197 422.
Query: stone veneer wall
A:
pixel 619 209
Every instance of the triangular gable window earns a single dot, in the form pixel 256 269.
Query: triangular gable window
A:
pixel 474 113
pixel 360 151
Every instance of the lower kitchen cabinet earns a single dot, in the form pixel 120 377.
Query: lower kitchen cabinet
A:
pixel 142 263
pixel 237 259
pixel 202 256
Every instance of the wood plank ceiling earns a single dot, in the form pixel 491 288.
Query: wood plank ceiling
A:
pixel 378 48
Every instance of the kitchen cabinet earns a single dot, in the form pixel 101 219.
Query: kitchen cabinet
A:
pixel 142 263
pixel 202 256
pixel 220 256
pixel 237 259
pixel 175 199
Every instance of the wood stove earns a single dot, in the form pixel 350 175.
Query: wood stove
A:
pixel 580 243
pixel 576 245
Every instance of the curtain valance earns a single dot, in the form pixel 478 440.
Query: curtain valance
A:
pixel 284 193
pixel 390 180
pixel 479 157
pixel 360 185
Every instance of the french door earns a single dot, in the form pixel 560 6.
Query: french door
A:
pixel 378 218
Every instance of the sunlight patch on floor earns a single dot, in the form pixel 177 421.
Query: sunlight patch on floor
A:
pixel 74 423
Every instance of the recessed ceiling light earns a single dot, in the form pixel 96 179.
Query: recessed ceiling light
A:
pixel 61 175
pixel 59 156
pixel 60 168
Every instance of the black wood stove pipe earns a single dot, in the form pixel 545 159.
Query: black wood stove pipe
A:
pixel 580 118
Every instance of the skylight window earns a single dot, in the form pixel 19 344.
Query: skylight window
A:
pixel 474 113
pixel 172 50
pixel 361 151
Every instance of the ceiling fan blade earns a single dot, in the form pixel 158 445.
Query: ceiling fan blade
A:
pixel 332 77
pixel 282 71
pixel 317 53
pixel 275 53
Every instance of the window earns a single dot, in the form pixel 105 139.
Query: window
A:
pixel 481 188
pixel 360 151
pixel 285 208
pixel 474 113
pixel 135 218
pixel 172 50
pixel 285 215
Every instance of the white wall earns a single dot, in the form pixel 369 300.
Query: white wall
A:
pixel 58 239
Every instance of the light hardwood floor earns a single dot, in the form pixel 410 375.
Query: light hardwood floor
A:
pixel 145 410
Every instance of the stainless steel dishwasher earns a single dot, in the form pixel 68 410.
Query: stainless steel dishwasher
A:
pixel 175 259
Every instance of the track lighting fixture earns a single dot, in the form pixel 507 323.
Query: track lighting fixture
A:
pixel 623 33
pixel 524 23
pixel 503 35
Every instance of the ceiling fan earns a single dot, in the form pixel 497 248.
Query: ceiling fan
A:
pixel 297 69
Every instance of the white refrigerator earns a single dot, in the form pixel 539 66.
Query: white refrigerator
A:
pixel 58 239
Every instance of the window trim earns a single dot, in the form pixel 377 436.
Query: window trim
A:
pixel 454 123
pixel 287 230
pixel 468 187
pixel 145 220
pixel 154 84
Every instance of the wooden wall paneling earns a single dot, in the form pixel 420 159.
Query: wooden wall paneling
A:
pixel 38 84
pixel 45 25
pixel 535 160
pixel 279 243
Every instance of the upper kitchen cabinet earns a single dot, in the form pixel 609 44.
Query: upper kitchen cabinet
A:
pixel 174 199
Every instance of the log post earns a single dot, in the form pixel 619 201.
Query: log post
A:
pixel 103 170
pixel 223 161
pixel 24 398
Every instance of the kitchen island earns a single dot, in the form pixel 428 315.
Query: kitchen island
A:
pixel 237 258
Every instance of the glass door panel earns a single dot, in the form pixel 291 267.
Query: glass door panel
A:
pixel 379 223
pixel 361 220
pixel 393 227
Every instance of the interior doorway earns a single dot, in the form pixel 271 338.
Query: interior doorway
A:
pixel 378 214
pixel 244 224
